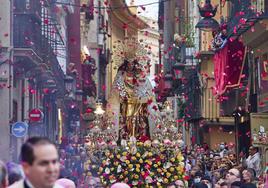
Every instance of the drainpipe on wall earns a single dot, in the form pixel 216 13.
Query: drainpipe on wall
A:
pixel 98 63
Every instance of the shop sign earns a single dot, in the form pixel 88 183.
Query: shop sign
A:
pixel 259 128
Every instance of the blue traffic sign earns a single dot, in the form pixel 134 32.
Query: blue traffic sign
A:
pixel 19 129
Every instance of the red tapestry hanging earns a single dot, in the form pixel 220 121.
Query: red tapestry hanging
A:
pixel 228 66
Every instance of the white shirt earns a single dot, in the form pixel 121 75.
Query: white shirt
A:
pixel 20 184
pixel 31 185
pixel 254 162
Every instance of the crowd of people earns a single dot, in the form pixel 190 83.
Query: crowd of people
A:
pixel 42 167
pixel 223 169
pixel 72 157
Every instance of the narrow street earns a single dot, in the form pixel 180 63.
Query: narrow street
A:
pixel 134 93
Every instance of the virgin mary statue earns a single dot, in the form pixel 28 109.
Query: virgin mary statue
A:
pixel 132 104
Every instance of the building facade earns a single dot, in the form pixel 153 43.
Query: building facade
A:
pixel 150 36
pixel 6 79
pixel 33 79
pixel 233 98
pixel 190 73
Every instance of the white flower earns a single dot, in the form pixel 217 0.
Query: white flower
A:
pixel 133 150
pixel 112 144
pixel 107 171
pixel 155 143
pixel 167 165
pixel 107 162
pixel 119 168
pixel 113 180
pixel 167 142
pixel 123 158
pixel 148 179
pixel 123 143
pixel 159 179
pixel 145 154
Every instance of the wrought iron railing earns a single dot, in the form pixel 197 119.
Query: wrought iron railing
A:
pixel 193 92
pixel 260 6
pixel 191 89
pixel 27 25
pixel 27 33
pixel 31 32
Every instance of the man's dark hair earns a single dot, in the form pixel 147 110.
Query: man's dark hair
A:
pixel 223 184
pixel 255 148
pixel 27 149
pixel 252 172
pixel 200 185
pixel 236 184
pixel 248 185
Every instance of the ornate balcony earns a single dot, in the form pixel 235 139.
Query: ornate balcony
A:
pixel 33 40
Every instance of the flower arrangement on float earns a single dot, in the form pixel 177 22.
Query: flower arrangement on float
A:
pixel 142 164
pixel 139 163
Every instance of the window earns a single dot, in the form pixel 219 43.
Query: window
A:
pixel 27 4
pixel 15 111
pixel 15 79
pixel 258 5
pixel 265 6
pixel 22 99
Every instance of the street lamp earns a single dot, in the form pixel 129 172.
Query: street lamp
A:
pixel 207 23
pixel 238 115
pixel 68 81
pixel 79 95
pixel 50 83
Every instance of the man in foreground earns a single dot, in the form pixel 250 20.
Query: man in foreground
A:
pixel 40 162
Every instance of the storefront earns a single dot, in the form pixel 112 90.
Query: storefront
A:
pixel 257 43
pixel 259 133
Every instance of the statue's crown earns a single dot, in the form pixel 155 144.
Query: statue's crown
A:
pixel 130 49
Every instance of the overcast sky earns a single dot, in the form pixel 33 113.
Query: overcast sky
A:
pixel 150 10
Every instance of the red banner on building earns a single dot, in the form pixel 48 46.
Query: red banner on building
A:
pixel 228 66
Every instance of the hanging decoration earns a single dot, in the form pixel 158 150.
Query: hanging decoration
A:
pixel 228 66
pixel 207 23
pixel 219 38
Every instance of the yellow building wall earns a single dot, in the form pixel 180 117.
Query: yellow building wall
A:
pixel 216 136
pixel 210 106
